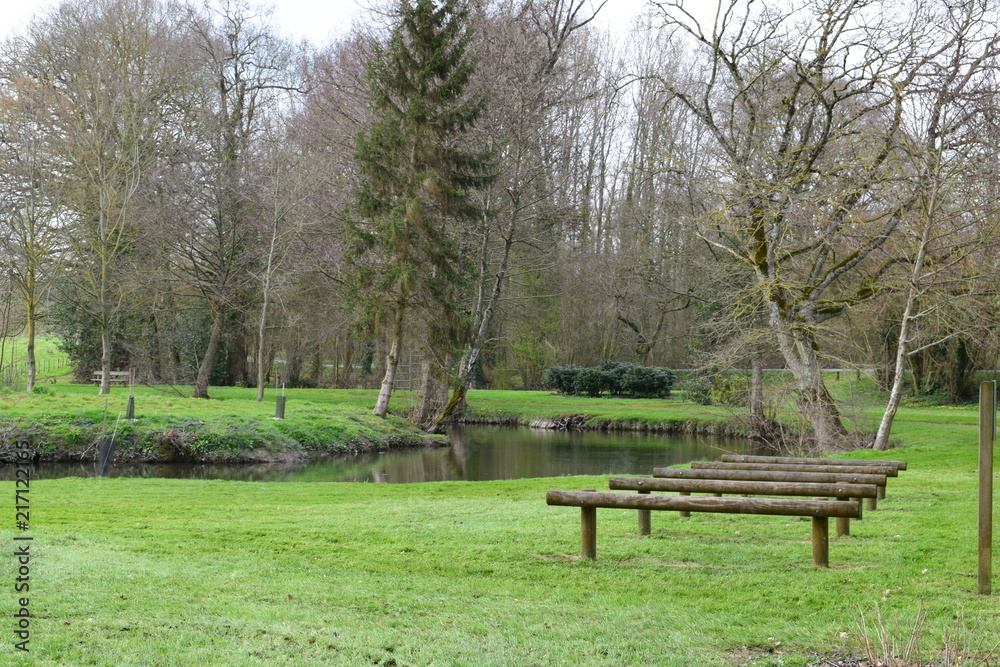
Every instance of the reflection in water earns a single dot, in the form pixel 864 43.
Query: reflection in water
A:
pixel 475 454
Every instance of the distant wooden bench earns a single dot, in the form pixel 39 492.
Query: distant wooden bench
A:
pixel 686 487
pixel 116 377
pixel 820 510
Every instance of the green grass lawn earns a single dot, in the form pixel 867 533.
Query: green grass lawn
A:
pixel 168 572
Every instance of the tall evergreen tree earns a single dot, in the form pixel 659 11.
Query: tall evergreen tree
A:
pixel 417 177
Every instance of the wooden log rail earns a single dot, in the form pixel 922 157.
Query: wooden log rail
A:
pixel 769 476
pixel 888 471
pixel 688 486
pixel 744 458
pixel 819 510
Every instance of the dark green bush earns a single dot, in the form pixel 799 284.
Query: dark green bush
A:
pixel 561 378
pixel 589 382
pixel 647 381
pixel 612 377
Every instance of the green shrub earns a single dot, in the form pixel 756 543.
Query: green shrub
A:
pixel 647 381
pixel 561 378
pixel 589 382
pixel 697 389
pixel 730 390
pixel 613 376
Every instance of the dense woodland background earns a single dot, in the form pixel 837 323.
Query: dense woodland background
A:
pixel 773 185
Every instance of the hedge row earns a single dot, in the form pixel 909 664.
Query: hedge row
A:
pixel 611 377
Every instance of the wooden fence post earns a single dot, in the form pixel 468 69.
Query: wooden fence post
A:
pixel 821 541
pixel 645 522
pixel 987 431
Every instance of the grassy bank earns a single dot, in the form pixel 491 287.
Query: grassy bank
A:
pixel 228 573
pixel 64 420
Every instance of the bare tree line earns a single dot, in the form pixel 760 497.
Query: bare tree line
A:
pixel 782 186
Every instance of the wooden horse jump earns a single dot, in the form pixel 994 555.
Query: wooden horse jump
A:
pixel 762 488
pixel 798 460
pixel 819 510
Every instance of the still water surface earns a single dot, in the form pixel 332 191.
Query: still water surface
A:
pixel 474 454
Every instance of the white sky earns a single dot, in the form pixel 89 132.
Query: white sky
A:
pixel 315 20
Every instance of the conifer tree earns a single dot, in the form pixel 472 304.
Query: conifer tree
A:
pixel 417 177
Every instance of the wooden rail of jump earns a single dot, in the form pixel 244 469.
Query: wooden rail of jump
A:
pixel 820 511
pixel 688 486
pixel 846 477
pixel 770 476
pixel 888 471
pixel 745 458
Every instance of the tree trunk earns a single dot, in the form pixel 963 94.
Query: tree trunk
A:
pixel 316 372
pixel 799 349
pixel 896 393
pixel 756 391
pixel 455 407
pixel 261 330
pixel 426 396
pixel 237 371
pixel 105 360
pixel 392 358
pixel 293 365
pixel 208 361
pixel 32 369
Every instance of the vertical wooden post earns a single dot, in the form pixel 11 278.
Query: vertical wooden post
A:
pixel 987 429
pixel 821 541
pixel 861 507
pixel 645 527
pixel 880 492
pixel 871 503
pixel 588 532
pixel 843 524
pixel 683 513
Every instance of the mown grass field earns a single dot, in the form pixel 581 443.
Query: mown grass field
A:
pixel 165 572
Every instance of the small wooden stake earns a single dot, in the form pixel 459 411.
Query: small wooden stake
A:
pixel 684 514
pixel 872 503
pixel 881 492
pixel 987 426
pixel 645 527
pixel 821 541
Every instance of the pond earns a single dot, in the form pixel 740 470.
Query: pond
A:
pixel 474 454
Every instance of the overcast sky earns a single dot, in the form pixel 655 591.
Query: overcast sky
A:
pixel 315 20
